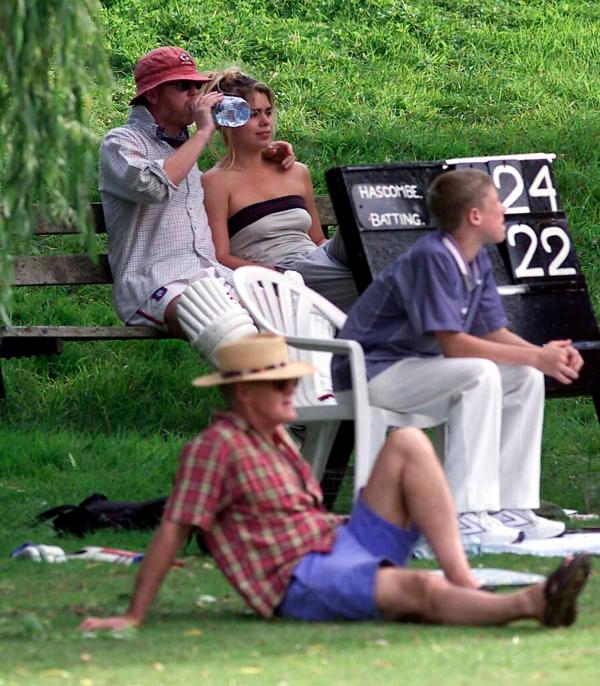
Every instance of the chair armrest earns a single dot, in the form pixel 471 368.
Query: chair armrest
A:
pixel 339 346
pixel 358 370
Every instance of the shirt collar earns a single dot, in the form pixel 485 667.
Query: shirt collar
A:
pixel 285 445
pixel 470 272
pixel 140 116
pixel 280 435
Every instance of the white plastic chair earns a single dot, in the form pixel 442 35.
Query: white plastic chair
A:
pixel 308 321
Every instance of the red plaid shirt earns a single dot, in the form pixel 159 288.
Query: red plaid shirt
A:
pixel 257 503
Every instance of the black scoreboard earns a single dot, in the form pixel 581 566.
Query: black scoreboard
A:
pixel 381 211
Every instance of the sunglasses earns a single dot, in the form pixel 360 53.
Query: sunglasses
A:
pixel 283 384
pixel 184 85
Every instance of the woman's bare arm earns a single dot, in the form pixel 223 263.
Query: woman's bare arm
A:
pixel 316 231
pixel 216 203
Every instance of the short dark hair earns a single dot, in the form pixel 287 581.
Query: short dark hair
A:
pixel 453 193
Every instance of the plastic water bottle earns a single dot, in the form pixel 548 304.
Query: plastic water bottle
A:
pixel 231 111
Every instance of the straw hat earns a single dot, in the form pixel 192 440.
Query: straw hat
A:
pixel 254 358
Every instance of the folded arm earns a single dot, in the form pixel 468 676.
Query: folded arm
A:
pixel 557 359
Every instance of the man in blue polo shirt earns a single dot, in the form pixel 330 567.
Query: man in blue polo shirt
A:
pixel 436 341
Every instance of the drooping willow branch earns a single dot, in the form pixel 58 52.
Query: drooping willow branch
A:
pixel 52 63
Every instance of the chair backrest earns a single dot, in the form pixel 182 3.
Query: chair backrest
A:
pixel 282 305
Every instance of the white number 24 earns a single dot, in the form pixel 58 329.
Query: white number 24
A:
pixel 541 187
pixel 555 267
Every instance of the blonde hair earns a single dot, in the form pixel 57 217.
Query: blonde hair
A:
pixel 233 81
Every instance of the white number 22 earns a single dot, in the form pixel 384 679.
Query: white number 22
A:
pixel 555 267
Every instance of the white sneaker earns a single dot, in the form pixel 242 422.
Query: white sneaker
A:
pixel 480 527
pixel 532 525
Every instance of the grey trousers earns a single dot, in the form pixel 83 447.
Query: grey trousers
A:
pixel 326 271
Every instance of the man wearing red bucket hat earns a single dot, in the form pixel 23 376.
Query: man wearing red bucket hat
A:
pixel 159 241
pixel 244 485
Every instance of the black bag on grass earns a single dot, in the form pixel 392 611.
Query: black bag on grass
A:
pixel 98 512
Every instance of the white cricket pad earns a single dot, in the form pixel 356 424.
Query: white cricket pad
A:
pixel 210 317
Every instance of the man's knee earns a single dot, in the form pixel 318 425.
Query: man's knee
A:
pixel 482 368
pixel 408 444
pixel 536 382
pixel 403 594
pixel 531 377
pixel 402 448
pixel 407 441
pixel 482 374
pixel 523 381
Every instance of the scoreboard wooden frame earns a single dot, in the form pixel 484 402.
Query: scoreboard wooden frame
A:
pixel 381 211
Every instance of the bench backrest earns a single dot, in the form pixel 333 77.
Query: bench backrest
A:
pixel 79 269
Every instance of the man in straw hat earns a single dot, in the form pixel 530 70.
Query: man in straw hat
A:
pixel 243 483
pixel 159 240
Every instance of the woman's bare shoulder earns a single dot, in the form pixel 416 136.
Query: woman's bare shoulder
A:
pixel 217 176
pixel 300 168
pixel 216 170
pixel 297 171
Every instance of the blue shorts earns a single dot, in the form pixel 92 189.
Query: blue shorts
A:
pixel 340 584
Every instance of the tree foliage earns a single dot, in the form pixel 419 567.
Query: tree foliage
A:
pixel 52 63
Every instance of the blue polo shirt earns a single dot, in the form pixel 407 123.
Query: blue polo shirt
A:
pixel 430 287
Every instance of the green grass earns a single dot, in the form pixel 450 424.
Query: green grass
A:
pixel 219 643
pixel 357 81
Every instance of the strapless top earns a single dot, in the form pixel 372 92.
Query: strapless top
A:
pixel 271 231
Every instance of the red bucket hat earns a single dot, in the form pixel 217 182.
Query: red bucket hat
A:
pixel 161 65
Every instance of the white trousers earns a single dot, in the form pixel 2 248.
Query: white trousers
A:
pixel 494 416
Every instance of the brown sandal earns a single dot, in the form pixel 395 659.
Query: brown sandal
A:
pixel 563 587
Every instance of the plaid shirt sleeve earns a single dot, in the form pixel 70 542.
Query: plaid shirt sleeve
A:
pixel 200 490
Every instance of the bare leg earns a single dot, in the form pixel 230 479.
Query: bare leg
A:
pixel 407 484
pixel 171 320
pixel 402 594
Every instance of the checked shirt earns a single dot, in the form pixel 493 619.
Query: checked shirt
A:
pixel 257 503
pixel 157 232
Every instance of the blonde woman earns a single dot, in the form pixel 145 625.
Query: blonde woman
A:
pixel 262 214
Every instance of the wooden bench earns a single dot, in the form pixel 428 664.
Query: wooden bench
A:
pixel 79 270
